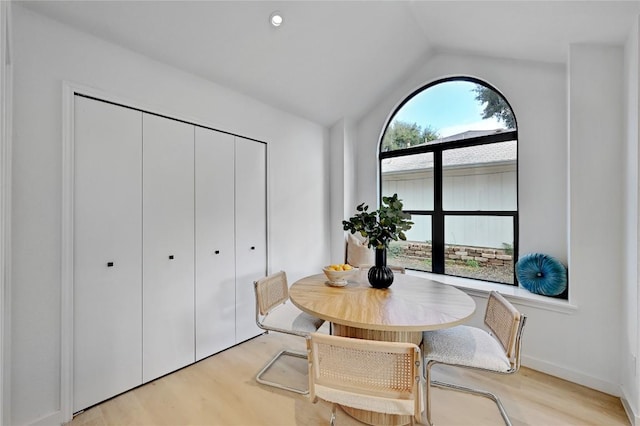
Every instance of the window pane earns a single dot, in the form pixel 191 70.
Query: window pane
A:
pixel 482 177
pixel 415 253
pixel 479 247
pixel 411 177
pixel 446 111
pixel 439 122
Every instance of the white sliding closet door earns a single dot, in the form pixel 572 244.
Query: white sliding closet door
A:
pixel 108 251
pixel 168 246
pixel 215 242
pixel 251 231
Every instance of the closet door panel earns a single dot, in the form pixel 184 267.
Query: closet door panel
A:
pixel 215 242
pixel 168 246
pixel 251 231
pixel 107 251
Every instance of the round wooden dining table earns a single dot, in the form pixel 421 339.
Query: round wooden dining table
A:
pixel 399 313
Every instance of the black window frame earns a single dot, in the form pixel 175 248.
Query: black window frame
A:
pixel 438 214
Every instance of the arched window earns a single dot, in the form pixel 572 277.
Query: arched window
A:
pixel 450 152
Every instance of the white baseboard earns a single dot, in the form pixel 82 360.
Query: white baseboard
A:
pixel 571 375
pixel 52 419
pixel 632 413
pixel 586 380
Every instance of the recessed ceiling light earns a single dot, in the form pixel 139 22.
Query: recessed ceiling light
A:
pixel 276 19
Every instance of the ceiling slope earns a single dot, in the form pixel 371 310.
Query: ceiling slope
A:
pixel 334 59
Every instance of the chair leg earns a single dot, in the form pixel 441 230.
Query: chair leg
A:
pixel 479 392
pixel 332 422
pixel 283 352
pixel 427 393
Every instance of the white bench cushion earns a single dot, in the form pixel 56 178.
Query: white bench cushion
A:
pixel 464 345
pixel 289 317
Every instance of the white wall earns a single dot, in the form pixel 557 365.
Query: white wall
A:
pixel 579 345
pixel 629 350
pixel 595 207
pixel 46 53
pixel 351 138
pixel 342 184
pixel 337 161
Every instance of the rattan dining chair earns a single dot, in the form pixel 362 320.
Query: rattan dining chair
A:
pixel 497 351
pixel 384 377
pixel 274 312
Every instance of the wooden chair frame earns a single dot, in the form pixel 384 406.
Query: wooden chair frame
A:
pixel 272 292
pixel 510 338
pixel 364 374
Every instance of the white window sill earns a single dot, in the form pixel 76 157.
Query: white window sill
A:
pixel 517 295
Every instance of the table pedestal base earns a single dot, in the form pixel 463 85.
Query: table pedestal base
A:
pixel 385 336
pixel 372 417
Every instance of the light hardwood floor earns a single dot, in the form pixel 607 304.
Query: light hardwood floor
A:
pixel 221 390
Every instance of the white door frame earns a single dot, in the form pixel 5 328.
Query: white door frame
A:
pixel 69 90
pixel 6 109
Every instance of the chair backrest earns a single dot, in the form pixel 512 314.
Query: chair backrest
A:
pixel 271 291
pixel 369 375
pixel 505 322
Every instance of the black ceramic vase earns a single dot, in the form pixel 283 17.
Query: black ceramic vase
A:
pixel 380 276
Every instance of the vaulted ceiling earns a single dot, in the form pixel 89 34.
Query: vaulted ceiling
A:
pixel 333 59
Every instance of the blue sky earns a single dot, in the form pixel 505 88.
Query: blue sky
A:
pixel 449 107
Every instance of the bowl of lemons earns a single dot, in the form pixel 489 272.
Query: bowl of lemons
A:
pixel 338 273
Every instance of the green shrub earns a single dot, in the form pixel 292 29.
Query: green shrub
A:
pixel 508 248
pixel 472 263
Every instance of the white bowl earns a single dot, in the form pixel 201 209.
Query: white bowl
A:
pixel 338 277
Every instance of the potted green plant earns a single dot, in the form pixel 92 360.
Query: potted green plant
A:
pixel 380 227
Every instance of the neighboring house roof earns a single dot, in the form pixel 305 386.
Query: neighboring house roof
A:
pixel 466 135
pixel 495 153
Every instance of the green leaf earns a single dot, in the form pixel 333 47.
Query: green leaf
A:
pixel 380 226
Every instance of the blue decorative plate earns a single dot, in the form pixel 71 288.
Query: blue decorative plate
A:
pixel 541 274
